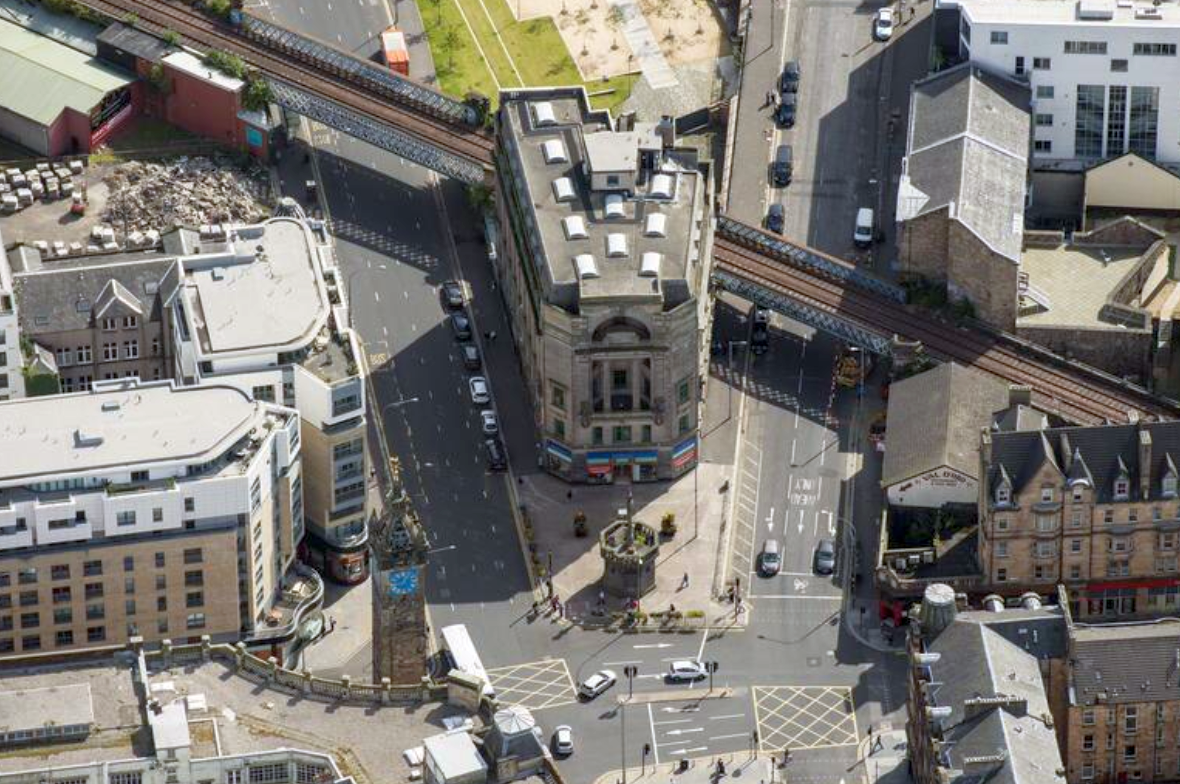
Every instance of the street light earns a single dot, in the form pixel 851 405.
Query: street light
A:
pixel 711 667
pixel 643 760
pixel 630 671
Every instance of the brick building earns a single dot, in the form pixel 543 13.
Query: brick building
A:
pixel 960 201
pixel 1094 508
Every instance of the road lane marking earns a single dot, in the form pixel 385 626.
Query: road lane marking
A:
pixel 655 747
pixel 670 721
pixel 701 650
pixel 685 731
pixel 692 750
pixel 730 716
pixel 726 737
pixel 653 645
pixel 630 661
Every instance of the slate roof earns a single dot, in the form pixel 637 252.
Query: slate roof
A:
pixel 49 295
pixel 979 660
pixel 1103 664
pixel 1105 449
pixel 136 42
pixel 967 151
pixel 934 420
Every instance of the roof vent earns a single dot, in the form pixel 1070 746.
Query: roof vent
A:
pixel 586 266
pixel 661 186
pixel 563 189
pixel 1148 12
pixel 554 151
pixel 1095 9
pixel 543 115
pixel 616 245
pixel 217 273
pixel 83 439
pixel 614 206
pixel 111 405
pixel 575 227
pixel 656 225
pixel 650 268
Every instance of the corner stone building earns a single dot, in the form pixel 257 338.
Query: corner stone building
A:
pixel 1094 508
pixel 601 256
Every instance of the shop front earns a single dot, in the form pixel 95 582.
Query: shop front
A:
pixel 559 459
pixel 684 455
pixel 637 465
pixel 1128 598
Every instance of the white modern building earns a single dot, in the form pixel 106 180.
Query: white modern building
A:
pixel 150 510
pixel 1103 73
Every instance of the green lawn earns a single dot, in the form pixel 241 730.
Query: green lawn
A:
pixel 535 45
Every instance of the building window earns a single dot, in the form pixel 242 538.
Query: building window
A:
pixel 162 626
pixel 557 396
pixel 1108 515
pixel 1155 50
pixel 1118 568
pixel 94 590
pixel 264 392
pixel 161 582
pixel 1088 123
pixel 92 569
pixel 1087 743
pixel 1165 565
pixel 130 349
pixel 1003 494
pixel 559 428
pixel 1156 514
pixel 684 424
pixel 96 634
pixel 128 563
pixel 109 324
pixel 129 585
pixel 63 615
pixel 256 494
pixel 129 607
pixel 95 612
pixel 1087 771
pixel 30 642
pixel 999 37
pixel 596 436
pixel 195 621
pixel 1044 91
pixel 1129 753
pixel 63 638
pixel 1001 575
pixel 28 598
pixel 1167 541
pixel 1132 515
pixel 1118 66
pixel 59 572
pixel 621 434
pixel 157 514
pixel 84 355
pixel 160 560
pixel 1001 549
pixel 1144 124
pixel 194 599
pixel 682 392
pixel 1041 572
pixel 1045 549
pixel 110 351
pixel 1119 544
pixel 162 604
pixel 1085 47
pixel 1130 720
pixel 155 347
pixel 1046 523
pixel 1042 63
pixel 1075 545
pixel 124 518
pixel 27 576
pixel 1088 721
pixel 65 357
pixel 30 620
pixel 1075 519
pixel 194 555
pixel 1001 523
pixel 1043 120
pixel 645 434
pixel 194 578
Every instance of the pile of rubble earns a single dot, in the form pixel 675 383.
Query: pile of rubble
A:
pixel 147 196
pixel 19 189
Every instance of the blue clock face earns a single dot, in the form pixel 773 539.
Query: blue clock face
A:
pixel 403 581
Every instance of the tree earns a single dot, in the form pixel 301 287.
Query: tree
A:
pixel 171 37
pixel 257 94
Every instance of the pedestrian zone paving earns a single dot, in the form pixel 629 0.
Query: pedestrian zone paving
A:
pixel 804 717
pixel 534 685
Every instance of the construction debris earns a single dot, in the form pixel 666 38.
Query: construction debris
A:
pixel 184 192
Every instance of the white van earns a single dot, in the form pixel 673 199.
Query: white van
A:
pixel 863 235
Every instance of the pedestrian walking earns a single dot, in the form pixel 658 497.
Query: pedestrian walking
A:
pixel 493 336
pixel 569 495
pixel 684 581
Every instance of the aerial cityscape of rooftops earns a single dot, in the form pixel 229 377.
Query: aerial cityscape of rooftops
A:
pixel 589 391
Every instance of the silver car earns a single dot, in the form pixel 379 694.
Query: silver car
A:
pixel 480 394
pixel 489 422
pixel 597 683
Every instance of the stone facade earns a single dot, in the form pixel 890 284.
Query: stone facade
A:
pixel 1127 353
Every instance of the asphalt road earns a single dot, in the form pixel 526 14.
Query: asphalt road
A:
pixel 847 151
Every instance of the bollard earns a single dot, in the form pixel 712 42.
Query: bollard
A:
pixel 239 655
pixel 166 650
pixel 346 682
pixel 206 647
pixel 386 691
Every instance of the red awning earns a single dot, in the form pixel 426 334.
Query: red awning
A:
pixel 1162 582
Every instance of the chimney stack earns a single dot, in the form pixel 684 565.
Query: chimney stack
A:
pixel 1019 395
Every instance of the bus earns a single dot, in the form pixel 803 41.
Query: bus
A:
pixel 462 656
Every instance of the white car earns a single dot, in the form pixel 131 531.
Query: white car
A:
pixel 563 740
pixel 491 425
pixel 597 683
pixel 883 24
pixel 686 670
pixel 480 395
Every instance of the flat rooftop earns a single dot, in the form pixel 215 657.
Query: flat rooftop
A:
pixel 582 135
pixel 264 292
pixel 42 77
pixel 1076 280
pixel 114 427
pixel 193 66
pixel 1082 15
pixel 65 705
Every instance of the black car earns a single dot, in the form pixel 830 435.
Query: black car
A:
pixel 789 81
pixel 760 333
pixel 785 116
pixel 471 357
pixel 775 217
pixel 461 326
pixel 452 294
pixel 497 458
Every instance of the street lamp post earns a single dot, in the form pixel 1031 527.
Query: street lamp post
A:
pixel 711 667
pixel 630 671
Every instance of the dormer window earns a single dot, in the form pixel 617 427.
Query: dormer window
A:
pixel 1169 486
pixel 1003 495
pixel 1046 495
pixel 1122 489
pixel 1079 494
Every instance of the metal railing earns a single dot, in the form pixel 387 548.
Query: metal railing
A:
pixel 807 258
pixel 379 134
pixel 360 72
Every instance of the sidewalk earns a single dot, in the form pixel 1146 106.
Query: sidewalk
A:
pixel 885 756
pixel 739 767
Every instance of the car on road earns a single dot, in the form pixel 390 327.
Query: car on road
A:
pixel 783 166
pixel 461 326
pixel 489 422
pixel 452 294
pixel 480 394
pixel 760 332
pixel 597 683
pixel 471 359
pixel 785 115
pixel 789 81
pixel 686 670
pixel 563 740
pixel 862 234
pixel 883 24
pixel 825 557
pixel 770 560
pixel 776 217
pixel 497 457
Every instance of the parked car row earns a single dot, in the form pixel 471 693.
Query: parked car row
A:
pixel 823 559
pixel 679 671
pixel 454 299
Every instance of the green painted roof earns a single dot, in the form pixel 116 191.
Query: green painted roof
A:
pixel 41 77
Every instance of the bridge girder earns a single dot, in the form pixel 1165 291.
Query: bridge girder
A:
pixel 378 134
pixel 806 314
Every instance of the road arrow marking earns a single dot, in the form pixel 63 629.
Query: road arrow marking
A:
pixel 692 709
pixel 692 750
pixel 800 585
pixel 653 645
